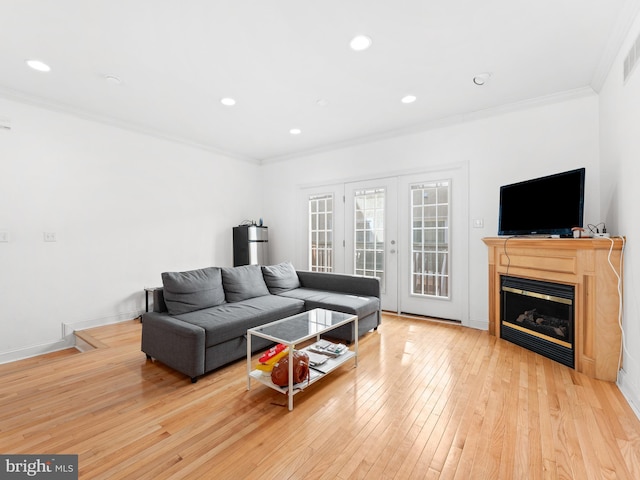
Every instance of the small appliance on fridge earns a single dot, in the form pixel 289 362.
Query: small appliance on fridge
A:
pixel 250 245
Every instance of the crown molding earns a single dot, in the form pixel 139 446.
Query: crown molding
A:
pixel 440 123
pixel 412 129
pixel 58 107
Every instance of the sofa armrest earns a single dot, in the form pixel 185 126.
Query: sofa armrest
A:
pixel 177 344
pixel 158 300
pixel 339 282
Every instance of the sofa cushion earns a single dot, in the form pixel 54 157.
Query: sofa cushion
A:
pixel 280 278
pixel 231 320
pixel 193 290
pixel 241 283
pixel 359 305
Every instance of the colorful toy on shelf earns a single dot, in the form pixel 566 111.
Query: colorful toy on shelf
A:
pixel 271 352
pixel 271 357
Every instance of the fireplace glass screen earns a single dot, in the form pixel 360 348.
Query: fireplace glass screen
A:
pixel 538 316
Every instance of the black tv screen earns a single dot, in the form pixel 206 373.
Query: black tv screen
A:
pixel 550 205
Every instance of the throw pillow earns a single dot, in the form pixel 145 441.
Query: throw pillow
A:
pixel 193 290
pixel 241 283
pixel 280 278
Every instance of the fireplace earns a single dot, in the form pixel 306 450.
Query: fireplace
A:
pixel 582 264
pixel 539 316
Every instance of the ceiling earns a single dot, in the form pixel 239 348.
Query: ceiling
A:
pixel 288 64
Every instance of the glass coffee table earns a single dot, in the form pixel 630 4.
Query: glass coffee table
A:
pixel 294 330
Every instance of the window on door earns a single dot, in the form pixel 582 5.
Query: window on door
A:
pixel 369 233
pixel 430 239
pixel 321 233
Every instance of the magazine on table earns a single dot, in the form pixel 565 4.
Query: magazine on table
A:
pixel 326 348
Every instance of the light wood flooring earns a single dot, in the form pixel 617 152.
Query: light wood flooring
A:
pixel 428 400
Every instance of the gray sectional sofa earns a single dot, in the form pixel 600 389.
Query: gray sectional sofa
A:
pixel 200 318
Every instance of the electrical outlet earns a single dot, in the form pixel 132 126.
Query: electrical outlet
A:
pixel 4 237
pixel 50 237
pixel 478 223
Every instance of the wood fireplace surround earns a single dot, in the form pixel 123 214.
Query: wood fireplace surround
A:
pixel 581 263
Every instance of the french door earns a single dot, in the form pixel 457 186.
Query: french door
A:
pixel 433 264
pixel 371 235
pixel 410 231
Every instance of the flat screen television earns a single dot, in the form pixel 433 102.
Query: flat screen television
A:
pixel 550 205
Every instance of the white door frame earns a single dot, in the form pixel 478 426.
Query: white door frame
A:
pixel 456 307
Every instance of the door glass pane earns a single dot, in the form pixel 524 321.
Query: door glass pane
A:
pixel 430 239
pixel 417 217
pixel 321 233
pixel 369 232
pixel 416 196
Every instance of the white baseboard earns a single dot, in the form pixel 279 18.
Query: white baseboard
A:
pixel 35 350
pixel 68 340
pixel 629 391
pixel 478 324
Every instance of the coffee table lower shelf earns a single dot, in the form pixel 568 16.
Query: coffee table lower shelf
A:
pixel 316 373
pixel 297 329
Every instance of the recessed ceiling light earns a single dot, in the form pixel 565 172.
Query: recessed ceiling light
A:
pixel 38 65
pixel 409 99
pixel 481 78
pixel 360 43
pixel 228 101
pixel 113 79
pixel 295 131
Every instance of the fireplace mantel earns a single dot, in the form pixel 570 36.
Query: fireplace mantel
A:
pixel 582 263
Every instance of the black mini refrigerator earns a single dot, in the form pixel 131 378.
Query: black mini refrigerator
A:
pixel 250 245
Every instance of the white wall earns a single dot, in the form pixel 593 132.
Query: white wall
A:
pixel 620 165
pixel 125 207
pixel 499 149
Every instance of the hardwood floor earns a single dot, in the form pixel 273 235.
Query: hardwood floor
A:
pixel 428 400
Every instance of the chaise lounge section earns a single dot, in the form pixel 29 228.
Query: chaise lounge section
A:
pixel 200 318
